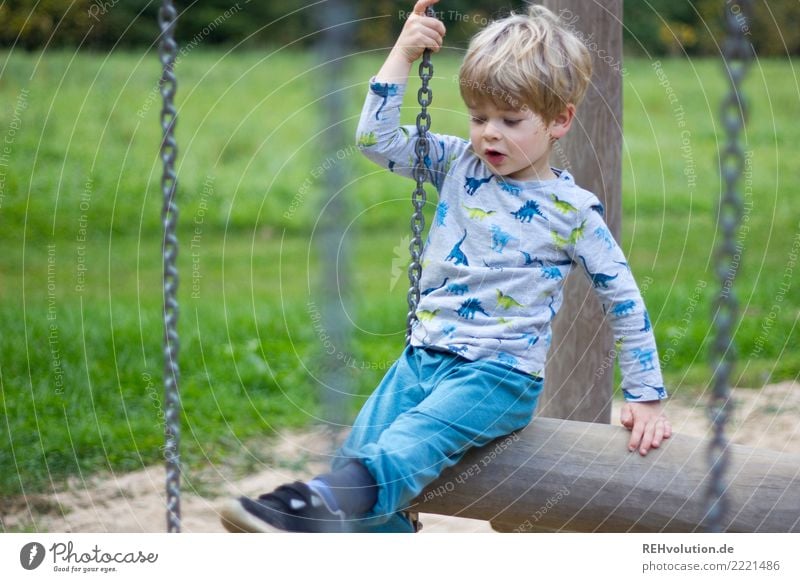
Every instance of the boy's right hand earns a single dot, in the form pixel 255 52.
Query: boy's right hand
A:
pixel 420 32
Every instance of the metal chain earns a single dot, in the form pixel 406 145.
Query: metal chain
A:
pixel 167 52
pixel 419 197
pixel 737 51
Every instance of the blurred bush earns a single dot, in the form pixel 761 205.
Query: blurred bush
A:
pixel 656 27
pixel 104 24
pixel 695 27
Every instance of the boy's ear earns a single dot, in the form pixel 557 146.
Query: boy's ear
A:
pixel 563 121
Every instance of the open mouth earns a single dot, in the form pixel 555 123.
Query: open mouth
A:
pixel 493 156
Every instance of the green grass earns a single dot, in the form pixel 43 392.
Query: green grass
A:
pixel 81 363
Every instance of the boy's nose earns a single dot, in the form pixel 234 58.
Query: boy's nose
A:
pixel 491 131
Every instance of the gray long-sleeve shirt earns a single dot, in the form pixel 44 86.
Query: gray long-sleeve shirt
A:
pixel 499 250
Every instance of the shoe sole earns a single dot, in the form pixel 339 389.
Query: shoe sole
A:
pixel 236 519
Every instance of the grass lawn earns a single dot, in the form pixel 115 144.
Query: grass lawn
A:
pixel 80 370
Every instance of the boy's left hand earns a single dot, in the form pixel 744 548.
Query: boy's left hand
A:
pixel 648 425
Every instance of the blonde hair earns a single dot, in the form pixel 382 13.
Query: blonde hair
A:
pixel 526 60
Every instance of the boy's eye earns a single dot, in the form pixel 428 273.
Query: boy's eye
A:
pixel 477 120
pixel 512 122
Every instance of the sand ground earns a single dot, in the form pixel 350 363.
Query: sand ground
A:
pixel 767 418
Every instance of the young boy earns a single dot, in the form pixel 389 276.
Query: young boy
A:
pixel 507 230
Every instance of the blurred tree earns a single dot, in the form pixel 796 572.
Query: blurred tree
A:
pixel 659 27
pixel 655 27
pixel 33 24
pixel 774 30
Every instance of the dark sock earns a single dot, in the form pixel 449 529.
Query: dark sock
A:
pixel 353 488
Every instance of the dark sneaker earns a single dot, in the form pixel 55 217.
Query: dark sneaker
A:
pixel 294 507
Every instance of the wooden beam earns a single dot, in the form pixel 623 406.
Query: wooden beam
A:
pixel 559 475
pixel 579 381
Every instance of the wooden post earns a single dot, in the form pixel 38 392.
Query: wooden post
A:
pixel 578 385
pixel 333 251
pixel 563 475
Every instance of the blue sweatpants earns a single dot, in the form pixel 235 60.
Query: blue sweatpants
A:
pixel 429 409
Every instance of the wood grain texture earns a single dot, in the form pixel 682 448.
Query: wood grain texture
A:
pixel 560 475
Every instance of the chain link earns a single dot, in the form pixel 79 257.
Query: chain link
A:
pixel 167 52
pixel 419 197
pixel 737 52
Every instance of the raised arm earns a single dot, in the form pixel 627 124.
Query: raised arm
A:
pixel 419 32
pixel 380 135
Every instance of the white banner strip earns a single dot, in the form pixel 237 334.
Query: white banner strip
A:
pixel 397 557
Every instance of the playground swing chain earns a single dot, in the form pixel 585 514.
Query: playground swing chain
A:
pixel 736 53
pixel 167 52
pixel 419 197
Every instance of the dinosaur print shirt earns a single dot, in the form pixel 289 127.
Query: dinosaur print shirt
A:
pixel 499 250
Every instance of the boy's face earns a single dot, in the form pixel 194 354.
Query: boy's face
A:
pixel 513 143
